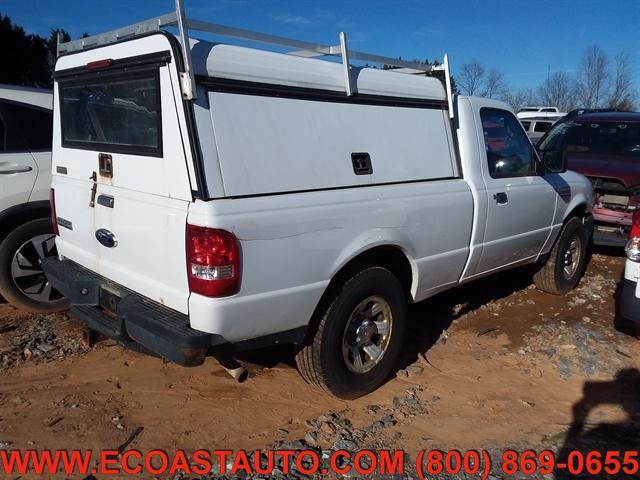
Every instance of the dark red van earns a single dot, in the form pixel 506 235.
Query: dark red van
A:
pixel 605 147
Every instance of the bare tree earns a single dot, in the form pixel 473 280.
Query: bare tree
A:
pixel 471 78
pixel 621 95
pixel 519 98
pixel 559 90
pixel 494 85
pixel 593 77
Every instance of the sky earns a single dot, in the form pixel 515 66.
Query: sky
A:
pixel 523 39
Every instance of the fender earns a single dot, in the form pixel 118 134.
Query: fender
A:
pixel 22 213
pixel 380 237
pixel 581 194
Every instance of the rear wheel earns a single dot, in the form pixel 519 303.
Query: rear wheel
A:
pixel 22 280
pixel 564 267
pixel 358 340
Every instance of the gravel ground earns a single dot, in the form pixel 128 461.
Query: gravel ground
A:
pixel 493 365
pixel 36 338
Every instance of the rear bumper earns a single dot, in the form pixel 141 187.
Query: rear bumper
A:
pixel 628 308
pixel 610 237
pixel 611 227
pixel 128 317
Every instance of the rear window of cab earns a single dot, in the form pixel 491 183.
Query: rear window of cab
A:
pixel 112 113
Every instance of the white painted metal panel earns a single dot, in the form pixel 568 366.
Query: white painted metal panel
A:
pixel 18 172
pixel 293 244
pixel 268 144
pixel 150 195
pixel 39 97
pixel 240 63
pixel 42 185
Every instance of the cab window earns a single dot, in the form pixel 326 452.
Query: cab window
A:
pixel 35 124
pixel 509 151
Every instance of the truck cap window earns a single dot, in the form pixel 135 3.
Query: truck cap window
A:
pixel 113 114
pixel 509 151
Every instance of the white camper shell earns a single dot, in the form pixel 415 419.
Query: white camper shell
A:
pixel 212 197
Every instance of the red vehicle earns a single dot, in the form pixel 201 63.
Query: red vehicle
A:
pixel 635 228
pixel 605 147
pixel 495 137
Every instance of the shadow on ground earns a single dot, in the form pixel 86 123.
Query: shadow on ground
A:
pixel 584 437
pixel 426 320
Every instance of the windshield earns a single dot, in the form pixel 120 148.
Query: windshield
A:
pixel 612 138
pixel 112 114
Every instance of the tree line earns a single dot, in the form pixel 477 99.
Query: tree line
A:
pixel 28 59
pixel 599 82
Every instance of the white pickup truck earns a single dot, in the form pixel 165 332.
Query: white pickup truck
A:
pixel 217 198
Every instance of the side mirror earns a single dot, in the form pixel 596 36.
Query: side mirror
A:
pixel 554 161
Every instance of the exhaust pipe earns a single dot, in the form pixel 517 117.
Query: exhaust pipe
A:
pixel 233 368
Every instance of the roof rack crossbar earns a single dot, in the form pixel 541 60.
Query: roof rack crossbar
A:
pixel 302 48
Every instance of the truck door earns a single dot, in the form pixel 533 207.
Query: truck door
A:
pixel 520 203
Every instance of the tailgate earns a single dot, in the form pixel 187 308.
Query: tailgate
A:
pixel 121 168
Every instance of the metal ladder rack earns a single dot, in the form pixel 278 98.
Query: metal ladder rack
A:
pixel 299 48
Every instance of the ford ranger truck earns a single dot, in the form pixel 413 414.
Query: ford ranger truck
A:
pixel 289 200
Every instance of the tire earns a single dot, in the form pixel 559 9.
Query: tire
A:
pixel 556 275
pixel 20 253
pixel 369 303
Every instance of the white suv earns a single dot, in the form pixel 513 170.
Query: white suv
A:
pixel 25 175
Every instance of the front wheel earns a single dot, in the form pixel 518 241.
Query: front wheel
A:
pixel 563 269
pixel 22 280
pixel 358 340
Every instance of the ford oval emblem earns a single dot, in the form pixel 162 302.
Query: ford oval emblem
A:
pixel 106 238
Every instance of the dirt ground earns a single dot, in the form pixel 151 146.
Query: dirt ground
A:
pixel 493 364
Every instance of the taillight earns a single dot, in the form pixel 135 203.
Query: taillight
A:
pixel 52 207
pixel 635 227
pixel 213 261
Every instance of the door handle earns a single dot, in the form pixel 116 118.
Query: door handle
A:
pixel 501 198
pixel 8 169
pixel 105 200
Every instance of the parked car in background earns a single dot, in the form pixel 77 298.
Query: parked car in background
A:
pixel 192 226
pixel 581 111
pixel 628 307
pixel 26 235
pixel 541 109
pixel 553 116
pixel 536 127
pixel 605 147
